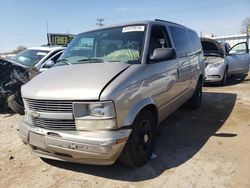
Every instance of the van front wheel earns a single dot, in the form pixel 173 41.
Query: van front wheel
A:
pixel 140 144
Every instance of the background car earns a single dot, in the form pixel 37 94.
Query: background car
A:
pixel 12 76
pixel 19 69
pixel 41 58
pixel 222 61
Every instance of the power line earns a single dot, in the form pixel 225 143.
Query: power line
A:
pixel 99 22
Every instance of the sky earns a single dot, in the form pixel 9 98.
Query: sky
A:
pixel 23 22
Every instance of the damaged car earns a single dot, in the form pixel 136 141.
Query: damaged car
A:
pixel 12 76
pixel 19 69
pixel 221 61
pixel 41 58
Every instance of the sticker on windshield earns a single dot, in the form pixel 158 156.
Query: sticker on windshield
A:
pixel 41 53
pixel 133 28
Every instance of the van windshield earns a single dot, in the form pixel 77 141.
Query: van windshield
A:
pixel 119 44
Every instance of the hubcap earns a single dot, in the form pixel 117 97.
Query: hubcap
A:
pixel 143 138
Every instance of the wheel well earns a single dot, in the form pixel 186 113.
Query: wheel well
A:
pixel 152 109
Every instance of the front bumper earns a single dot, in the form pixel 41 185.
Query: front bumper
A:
pixel 99 147
pixel 214 74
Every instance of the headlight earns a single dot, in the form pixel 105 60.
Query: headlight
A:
pixel 94 125
pixel 94 115
pixel 216 64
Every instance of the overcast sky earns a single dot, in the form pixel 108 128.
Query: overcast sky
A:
pixel 23 22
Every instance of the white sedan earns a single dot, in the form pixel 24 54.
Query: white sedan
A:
pixel 39 56
pixel 222 61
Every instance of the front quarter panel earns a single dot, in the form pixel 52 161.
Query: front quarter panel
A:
pixel 134 89
pixel 130 93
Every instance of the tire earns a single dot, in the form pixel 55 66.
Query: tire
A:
pixel 140 144
pixel 16 104
pixel 224 79
pixel 195 101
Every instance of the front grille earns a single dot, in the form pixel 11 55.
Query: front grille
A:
pixel 59 106
pixel 54 124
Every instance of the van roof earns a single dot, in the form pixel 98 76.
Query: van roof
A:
pixel 145 22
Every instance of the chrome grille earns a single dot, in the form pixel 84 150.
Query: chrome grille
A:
pixel 54 124
pixel 60 106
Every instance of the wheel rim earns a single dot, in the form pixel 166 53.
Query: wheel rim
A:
pixel 143 138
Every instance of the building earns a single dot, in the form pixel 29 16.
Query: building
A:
pixel 232 39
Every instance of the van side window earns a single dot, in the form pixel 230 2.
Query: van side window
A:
pixel 182 44
pixel 158 39
pixel 195 41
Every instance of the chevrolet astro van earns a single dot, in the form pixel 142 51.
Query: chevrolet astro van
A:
pixel 117 84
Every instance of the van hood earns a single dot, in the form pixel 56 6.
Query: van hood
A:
pixel 73 82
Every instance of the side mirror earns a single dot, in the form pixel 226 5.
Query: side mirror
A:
pixel 163 54
pixel 48 64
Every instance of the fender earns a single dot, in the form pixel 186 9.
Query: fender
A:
pixel 136 109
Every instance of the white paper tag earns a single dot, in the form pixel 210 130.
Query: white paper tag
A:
pixel 41 53
pixel 133 28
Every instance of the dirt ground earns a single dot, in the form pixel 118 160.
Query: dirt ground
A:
pixel 209 147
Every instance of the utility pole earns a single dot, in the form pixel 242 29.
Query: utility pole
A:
pixel 99 22
pixel 248 30
pixel 47 26
pixel 48 37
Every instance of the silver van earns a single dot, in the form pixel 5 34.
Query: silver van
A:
pixel 117 85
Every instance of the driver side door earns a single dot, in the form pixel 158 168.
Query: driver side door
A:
pixel 238 59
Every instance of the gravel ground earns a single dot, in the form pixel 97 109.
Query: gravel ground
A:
pixel 209 147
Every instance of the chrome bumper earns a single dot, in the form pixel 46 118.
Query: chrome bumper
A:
pixel 99 147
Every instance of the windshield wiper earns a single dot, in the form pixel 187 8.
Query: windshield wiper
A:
pixel 62 62
pixel 129 62
pixel 90 60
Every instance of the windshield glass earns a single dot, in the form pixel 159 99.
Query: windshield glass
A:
pixel 29 57
pixel 120 44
